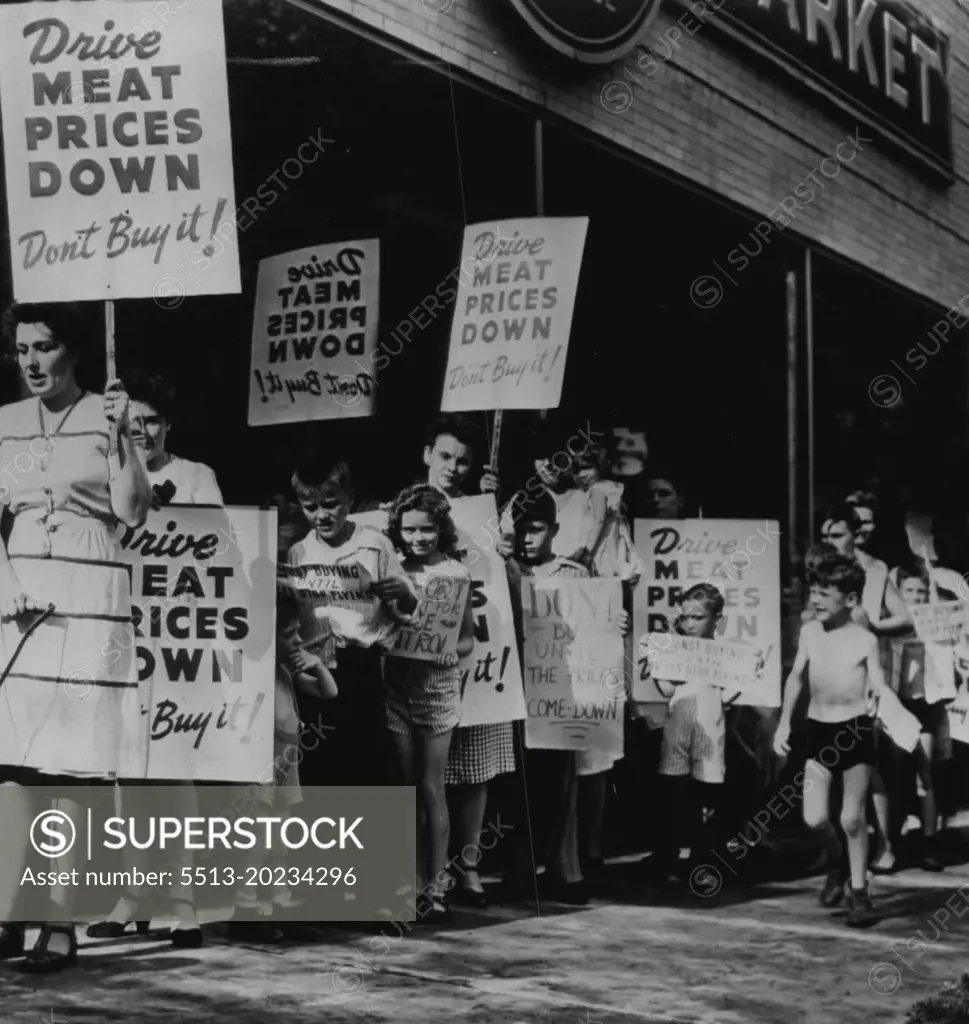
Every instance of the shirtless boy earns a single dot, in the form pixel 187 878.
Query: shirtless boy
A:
pixel 844 673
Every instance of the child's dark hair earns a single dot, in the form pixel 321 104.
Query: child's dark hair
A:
pixel 152 389
pixel 459 427
pixel 287 610
pixel 862 499
pixel 815 555
pixel 707 594
pixel 315 470
pixel 843 513
pixel 539 507
pixel 912 570
pixel 427 499
pixel 837 570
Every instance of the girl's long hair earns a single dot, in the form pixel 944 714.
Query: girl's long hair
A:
pixel 427 499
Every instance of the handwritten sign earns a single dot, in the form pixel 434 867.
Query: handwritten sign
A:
pixel 739 557
pixel 510 334
pixel 337 598
pixel 491 678
pixel 697 660
pixel 944 622
pixel 118 156
pixel 434 629
pixel 203 595
pixel 314 334
pixel 574 664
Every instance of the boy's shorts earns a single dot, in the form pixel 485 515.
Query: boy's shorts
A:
pixel 839 746
pixel 691 746
pixel 934 720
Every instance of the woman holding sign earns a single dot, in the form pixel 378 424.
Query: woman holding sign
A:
pixel 72 474
pixel 424 697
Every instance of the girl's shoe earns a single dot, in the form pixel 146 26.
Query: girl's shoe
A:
pixel 466 893
pixel 42 960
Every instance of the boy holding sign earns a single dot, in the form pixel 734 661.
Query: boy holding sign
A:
pixel 694 740
pixel 354 590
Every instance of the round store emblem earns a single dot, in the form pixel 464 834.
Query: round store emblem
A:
pixel 591 31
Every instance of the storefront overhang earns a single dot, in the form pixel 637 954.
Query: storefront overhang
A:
pixel 881 63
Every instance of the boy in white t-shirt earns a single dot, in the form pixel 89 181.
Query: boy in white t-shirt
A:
pixel 354 591
pixel 693 758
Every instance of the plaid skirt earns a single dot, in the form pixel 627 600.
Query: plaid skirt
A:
pixel 480 752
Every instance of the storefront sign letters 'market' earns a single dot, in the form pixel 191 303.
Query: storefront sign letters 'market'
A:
pixel 591 31
pixel 879 60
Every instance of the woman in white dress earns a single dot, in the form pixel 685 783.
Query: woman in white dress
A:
pixel 72 476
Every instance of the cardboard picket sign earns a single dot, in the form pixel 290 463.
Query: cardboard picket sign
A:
pixel 574 664
pixel 204 602
pixel 314 334
pixel 719 663
pixel 940 622
pixel 435 627
pixel 513 313
pixel 742 559
pixel 117 150
pixel 491 678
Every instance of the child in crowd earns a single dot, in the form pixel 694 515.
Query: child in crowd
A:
pixel 294 667
pixel 551 775
pixel 358 592
pixel 693 757
pixel 926 681
pixel 611 554
pixel 841 660
pixel 424 697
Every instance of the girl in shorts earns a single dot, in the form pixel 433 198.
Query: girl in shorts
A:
pixel 423 698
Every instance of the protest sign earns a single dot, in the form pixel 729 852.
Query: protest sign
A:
pixel 491 678
pixel 203 596
pixel 435 627
pixel 513 314
pixel 339 598
pixel 943 622
pixel 573 664
pixel 314 332
pixel 117 149
pixel 742 559
pixel 697 660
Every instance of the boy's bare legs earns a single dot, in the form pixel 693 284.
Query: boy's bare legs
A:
pixel 927 806
pixel 817 817
pixel 857 781
pixel 885 861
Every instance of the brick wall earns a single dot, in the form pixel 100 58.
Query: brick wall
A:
pixel 706 115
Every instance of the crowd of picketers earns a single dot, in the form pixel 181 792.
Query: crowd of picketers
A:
pixel 708 788
pixel 400 719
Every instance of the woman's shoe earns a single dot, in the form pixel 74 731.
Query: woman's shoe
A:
pixel 116 929
pixel 42 960
pixel 11 941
